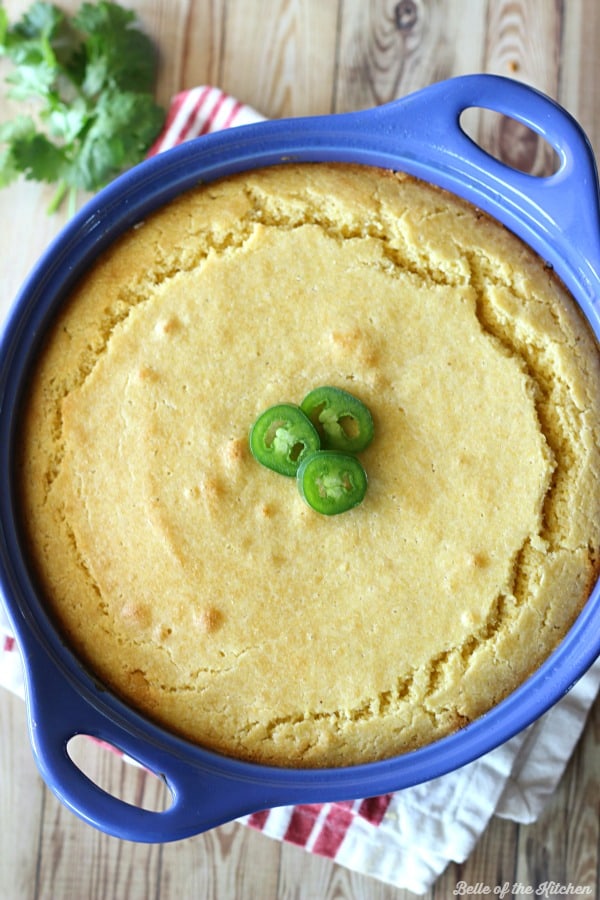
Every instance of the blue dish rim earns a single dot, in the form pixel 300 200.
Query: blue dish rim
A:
pixel 553 215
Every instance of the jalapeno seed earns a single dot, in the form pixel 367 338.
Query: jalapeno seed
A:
pixel 342 420
pixel 331 482
pixel 281 438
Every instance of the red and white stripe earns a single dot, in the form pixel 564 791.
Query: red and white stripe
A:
pixel 200 111
pixel 8 643
pixel 319 828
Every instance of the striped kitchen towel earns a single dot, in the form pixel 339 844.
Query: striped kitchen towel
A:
pixel 407 838
pixel 199 111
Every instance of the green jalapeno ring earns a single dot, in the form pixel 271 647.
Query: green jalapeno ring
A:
pixel 331 482
pixel 342 420
pixel 281 438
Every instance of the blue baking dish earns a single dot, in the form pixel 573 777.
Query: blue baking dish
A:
pixel 558 216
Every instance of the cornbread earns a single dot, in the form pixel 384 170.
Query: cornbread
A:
pixel 196 583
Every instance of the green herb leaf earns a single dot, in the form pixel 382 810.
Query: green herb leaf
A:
pixel 67 121
pixel 123 127
pixel 11 133
pixel 31 80
pixel 39 159
pixel 117 53
pixel 91 76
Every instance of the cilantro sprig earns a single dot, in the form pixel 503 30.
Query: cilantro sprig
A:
pixel 86 83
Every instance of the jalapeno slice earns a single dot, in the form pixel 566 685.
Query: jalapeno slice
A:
pixel 281 438
pixel 342 420
pixel 331 482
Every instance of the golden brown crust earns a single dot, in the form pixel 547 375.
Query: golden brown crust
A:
pixel 197 584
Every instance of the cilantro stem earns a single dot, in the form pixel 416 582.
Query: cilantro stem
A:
pixel 59 195
pixel 57 198
pixel 72 208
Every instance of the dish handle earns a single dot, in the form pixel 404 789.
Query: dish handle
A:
pixel 202 796
pixel 559 214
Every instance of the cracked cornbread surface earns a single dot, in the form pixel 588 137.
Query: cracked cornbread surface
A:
pixel 197 584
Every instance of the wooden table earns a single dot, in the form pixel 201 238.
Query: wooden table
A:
pixel 289 58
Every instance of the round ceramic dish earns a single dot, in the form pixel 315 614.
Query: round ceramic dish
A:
pixel 557 216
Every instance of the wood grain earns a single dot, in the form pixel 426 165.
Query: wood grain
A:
pixel 563 844
pixel 108 770
pixel 579 85
pixel 22 798
pixel 290 58
pixel 231 861
pixel 524 40
pixel 581 799
pixel 388 49
pixel 281 63
pixel 494 854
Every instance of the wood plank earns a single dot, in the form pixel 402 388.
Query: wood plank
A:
pixel 31 231
pixel 230 861
pixel 117 868
pixel 21 802
pixel 579 85
pixel 492 861
pixel 118 777
pixel 523 40
pixel 562 846
pixel 580 794
pixel 189 38
pixel 388 49
pixel 77 861
pixel 281 63
pixel 304 876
